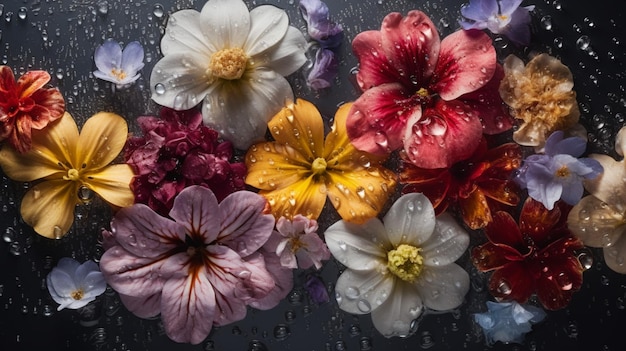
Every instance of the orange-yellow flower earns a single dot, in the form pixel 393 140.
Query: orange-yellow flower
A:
pixel 71 166
pixel 298 170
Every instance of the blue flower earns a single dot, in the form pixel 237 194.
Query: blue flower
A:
pixel 74 285
pixel 119 66
pixel 508 321
pixel 500 17
pixel 319 26
pixel 558 174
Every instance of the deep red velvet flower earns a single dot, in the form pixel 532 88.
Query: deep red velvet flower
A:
pixel 476 187
pixel 536 256
pixel 26 105
pixel 175 152
pixel 435 97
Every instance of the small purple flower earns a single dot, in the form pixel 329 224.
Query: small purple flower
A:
pixel 73 285
pixel 508 321
pixel 316 288
pixel 324 69
pixel 558 174
pixel 319 25
pixel 119 66
pixel 504 17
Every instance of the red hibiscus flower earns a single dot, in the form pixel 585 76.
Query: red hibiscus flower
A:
pixel 477 186
pixel 26 105
pixel 538 256
pixel 435 97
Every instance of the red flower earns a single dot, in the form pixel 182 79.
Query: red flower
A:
pixel 477 186
pixel 435 97
pixel 538 256
pixel 26 105
pixel 178 151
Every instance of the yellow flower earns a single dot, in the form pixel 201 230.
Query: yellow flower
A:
pixel 70 167
pixel 298 170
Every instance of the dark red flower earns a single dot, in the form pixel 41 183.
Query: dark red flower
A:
pixel 26 105
pixel 536 256
pixel 476 187
pixel 177 151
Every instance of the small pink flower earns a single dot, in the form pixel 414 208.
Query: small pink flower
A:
pixel 297 244
pixel 200 268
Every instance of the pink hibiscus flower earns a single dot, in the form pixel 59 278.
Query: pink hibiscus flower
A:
pixel 435 97
pixel 199 268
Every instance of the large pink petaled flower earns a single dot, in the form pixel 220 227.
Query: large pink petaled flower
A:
pixel 25 105
pixel 199 268
pixel 435 97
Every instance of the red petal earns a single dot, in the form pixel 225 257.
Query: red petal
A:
pixel 467 62
pixel 32 81
pixel 504 230
pixel 490 256
pixel 537 222
pixel 50 100
pixel 475 210
pixel 434 183
pixel 7 80
pixel 512 282
pixel 561 274
pixel 503 191
pixel 374 66
pixel 21 137
pixel 444 134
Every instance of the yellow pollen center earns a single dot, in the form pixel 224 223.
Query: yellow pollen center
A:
pixel 562 172
pixel 503 17
pixel 319 166
pixel 77 294
pixel 228 63
pixel 423 92
pixel 405 262
pixel 118 73
pixel 72 174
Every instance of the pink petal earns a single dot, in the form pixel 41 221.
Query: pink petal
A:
pixel 283 282
pixel 374 67
pixel 197 210
pixel 377 119
pixel 143 307
pixel 467 62
pixel 231 310
pixel 446 133
pixel 7 79
pixel 188 307
pixel 52 101
pixel 32 81
pixel 244 226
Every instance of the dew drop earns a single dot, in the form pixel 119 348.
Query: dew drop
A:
pixel 281 332
pixel 22 13
pixel 352 292
pixel 9 235
pixel 58 232
pixel 159 89
pixel 546 22
pixel 583 42
pixel 504 288
pixel 103 7
pixel 586 260
pixel 85 194
pixel 364 306
pixel 157 11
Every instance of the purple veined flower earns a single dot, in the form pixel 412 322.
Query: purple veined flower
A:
pixel 118 66
pixel 73 285
pixel 325 68
pixel 508 321
pixel 319 25
pixel 297 244
pixel 504 17
pixel 559 173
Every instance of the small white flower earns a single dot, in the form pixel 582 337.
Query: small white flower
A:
pixel 396 269
pixel 74 285
pixel 297 244
pixel 231 60
pixel 119 66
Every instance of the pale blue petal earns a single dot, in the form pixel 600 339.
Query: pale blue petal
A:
pixel 572 191
pixel 108 56
pixel 595 167
pixel 518 29
pixel 507 7
pixel 83 270
pixel 479 10
pixel 132 58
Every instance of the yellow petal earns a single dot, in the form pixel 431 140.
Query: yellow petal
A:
pixel 51 145
pixel 101 139
pixel 361 194
pixel 300 125
pixel 305 197
pixel 272 166
pixel 113 184
pixel 49 207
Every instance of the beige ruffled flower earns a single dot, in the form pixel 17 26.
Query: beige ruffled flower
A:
pixel 540 94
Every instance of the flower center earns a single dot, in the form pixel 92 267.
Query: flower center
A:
pixel 423 92
pixel 319 166
pixel 228 63
pixel 77 294
pixel 72 174
pixel 118 73
pixel 562 172
pixel 405 262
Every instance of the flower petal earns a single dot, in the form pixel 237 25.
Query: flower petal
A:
pixel 302 128
pixel 113 184
pixel 286 57
pixel 609 186
pixel 359 247
pixel 49 207
pixel 615 255
pixel 447 244
pixel 410 220
pixel 503 230
pixel 143 307
pixel 512 282
pixel 444 287
pixel 268 26
pixel 539 223
pixel 283 283
pixel 196 209
pixel 272 165
pixel 306 197
pixel 595 223
pixel 7 79
pixel 101 140
pixel 361 292
pixel 184 32
pixel 32 81
pixel 396 315
pixel 132 57
pixel 50 107
pixel 108 56
pixel 490 256
pixel 475 210
pixel 228 21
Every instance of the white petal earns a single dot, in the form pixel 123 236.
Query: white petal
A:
pixel 94 284
pixel 184 33
pixel 362 292
pixel 239 110
pixel 268 26
pixel 359 247
pixel 620 142
pixel 410 220
pixel 395 317
pixel 443 288
pixel 227 22
pixel 615 255
pixel 183 80
pixel 286 57
pixel 60 285
pixel 448 242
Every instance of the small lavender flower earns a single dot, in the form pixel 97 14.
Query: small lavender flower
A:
pixel 319 25
pixel 558 174
pixel 74 285
pixel 324 69
pixel 500 17
pixel 508 321
pixel 119 66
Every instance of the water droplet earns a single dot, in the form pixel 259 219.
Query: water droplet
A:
pixel 364 306
pixel 257 345
pixel 426 340
pixel 583 42
pixel 159 89
pixel 281 332
pixel 103 7
pixel 365 344
pixel 157 11
pixel 546 22
pixel 340 345
pixel 58 232
pixel 504 288
pixel 585 259
pixel 352 292
pixel 85 194
pixel 22 13
pixel 9 235
pixel 290 315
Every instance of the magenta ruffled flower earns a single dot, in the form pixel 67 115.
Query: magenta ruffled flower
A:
pixel 175 152
pixel 200 267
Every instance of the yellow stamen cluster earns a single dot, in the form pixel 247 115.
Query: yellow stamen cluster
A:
pixel 72 174
pixel 319 166
pixel 562 172
pixel 228 64
pixel 405 262
pixel 423 92
pixel 77 294
pixel 118 73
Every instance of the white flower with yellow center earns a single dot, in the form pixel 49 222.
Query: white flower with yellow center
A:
pixel 396 269
pixel 231 60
